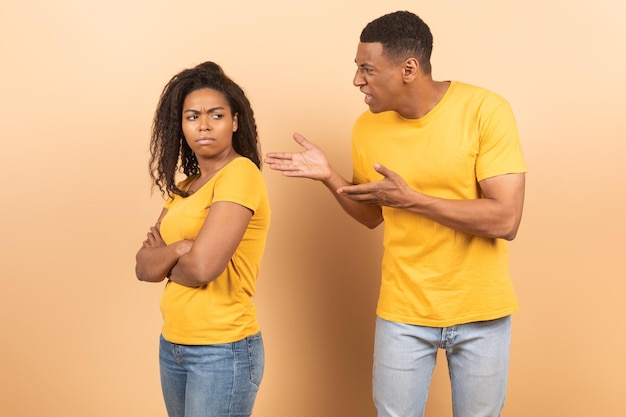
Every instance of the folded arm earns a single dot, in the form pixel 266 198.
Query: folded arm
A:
pixel 214 246
pixel 155 258
pixel 196 262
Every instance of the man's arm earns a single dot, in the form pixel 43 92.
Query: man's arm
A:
pixel 496 215
pixel 313 164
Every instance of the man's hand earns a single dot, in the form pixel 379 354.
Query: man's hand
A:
pixel 391 191
pixel 310 163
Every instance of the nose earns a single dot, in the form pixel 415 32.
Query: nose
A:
pixel 205 122
pixel 358 79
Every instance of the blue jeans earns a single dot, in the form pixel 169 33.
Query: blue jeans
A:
pixel 219 380
pixel 478 362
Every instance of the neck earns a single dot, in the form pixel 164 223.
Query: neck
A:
pixel 207 171
pixel 209 167
pixel 422 97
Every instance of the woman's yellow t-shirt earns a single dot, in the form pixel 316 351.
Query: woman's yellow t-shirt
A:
pixel 221 311
pixel 433 275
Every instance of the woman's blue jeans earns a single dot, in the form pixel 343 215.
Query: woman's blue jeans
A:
pixel 219 380
pixel 478 362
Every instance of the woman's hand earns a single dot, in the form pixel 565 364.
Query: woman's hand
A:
pixel 155 259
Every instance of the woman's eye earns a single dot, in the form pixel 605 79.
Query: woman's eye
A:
pixel 192 117
pixel 217 116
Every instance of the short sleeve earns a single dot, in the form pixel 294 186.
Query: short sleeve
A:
pixel 500 150
pixel 240 182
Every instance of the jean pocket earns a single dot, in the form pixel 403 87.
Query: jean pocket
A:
pixel 256 358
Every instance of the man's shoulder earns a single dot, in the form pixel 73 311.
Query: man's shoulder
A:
pixel 474 91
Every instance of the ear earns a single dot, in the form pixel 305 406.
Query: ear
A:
pixel 410 69
pixel 235 122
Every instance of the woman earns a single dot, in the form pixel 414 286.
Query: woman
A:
pixel 207 242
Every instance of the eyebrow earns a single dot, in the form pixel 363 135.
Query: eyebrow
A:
pixel 363 65
pixel 211 110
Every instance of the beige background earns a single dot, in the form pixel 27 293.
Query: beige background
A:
pixel 79 83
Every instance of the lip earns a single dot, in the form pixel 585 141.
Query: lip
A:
pixel 204 140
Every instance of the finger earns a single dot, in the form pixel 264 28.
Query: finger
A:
pixel 295 173
pixel 302 141
pixel 362 198
pixel 356 189
pixel 278 156
pixel 279 166
pixel 383 170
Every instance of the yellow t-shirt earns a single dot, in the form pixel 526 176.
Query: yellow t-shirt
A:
pixel 223 310
pixel 433 275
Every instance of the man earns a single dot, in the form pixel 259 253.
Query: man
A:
pixel 440 163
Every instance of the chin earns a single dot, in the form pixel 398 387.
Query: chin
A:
pixel 377 109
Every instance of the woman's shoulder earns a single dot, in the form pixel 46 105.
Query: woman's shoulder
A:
pixel 241 170
pixel 241 164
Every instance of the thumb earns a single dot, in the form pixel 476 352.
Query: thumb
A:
pixel 302 141
pixel 382 170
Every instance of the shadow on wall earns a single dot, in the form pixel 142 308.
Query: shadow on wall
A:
pixel 317 296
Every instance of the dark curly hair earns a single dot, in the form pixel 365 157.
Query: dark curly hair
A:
pixel 169 150
pixel 403 35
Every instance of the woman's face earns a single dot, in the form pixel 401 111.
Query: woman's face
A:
pixel 208 124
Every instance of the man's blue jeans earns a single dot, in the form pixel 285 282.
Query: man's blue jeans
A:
pixel 478 362
pixel 211 380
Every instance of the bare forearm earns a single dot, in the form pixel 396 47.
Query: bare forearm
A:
pixel 496 215
pixel 369 215
pixel 153 264
pixel 481 217
pixel 193 273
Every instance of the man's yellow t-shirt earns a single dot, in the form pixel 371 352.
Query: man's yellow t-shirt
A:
pixel 223 310
pixel 433 275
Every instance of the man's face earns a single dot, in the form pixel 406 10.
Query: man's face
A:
pixel 377 77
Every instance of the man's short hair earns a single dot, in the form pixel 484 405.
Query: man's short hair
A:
pixel 402 35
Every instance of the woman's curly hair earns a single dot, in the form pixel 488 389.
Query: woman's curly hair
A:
pixel 169 151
